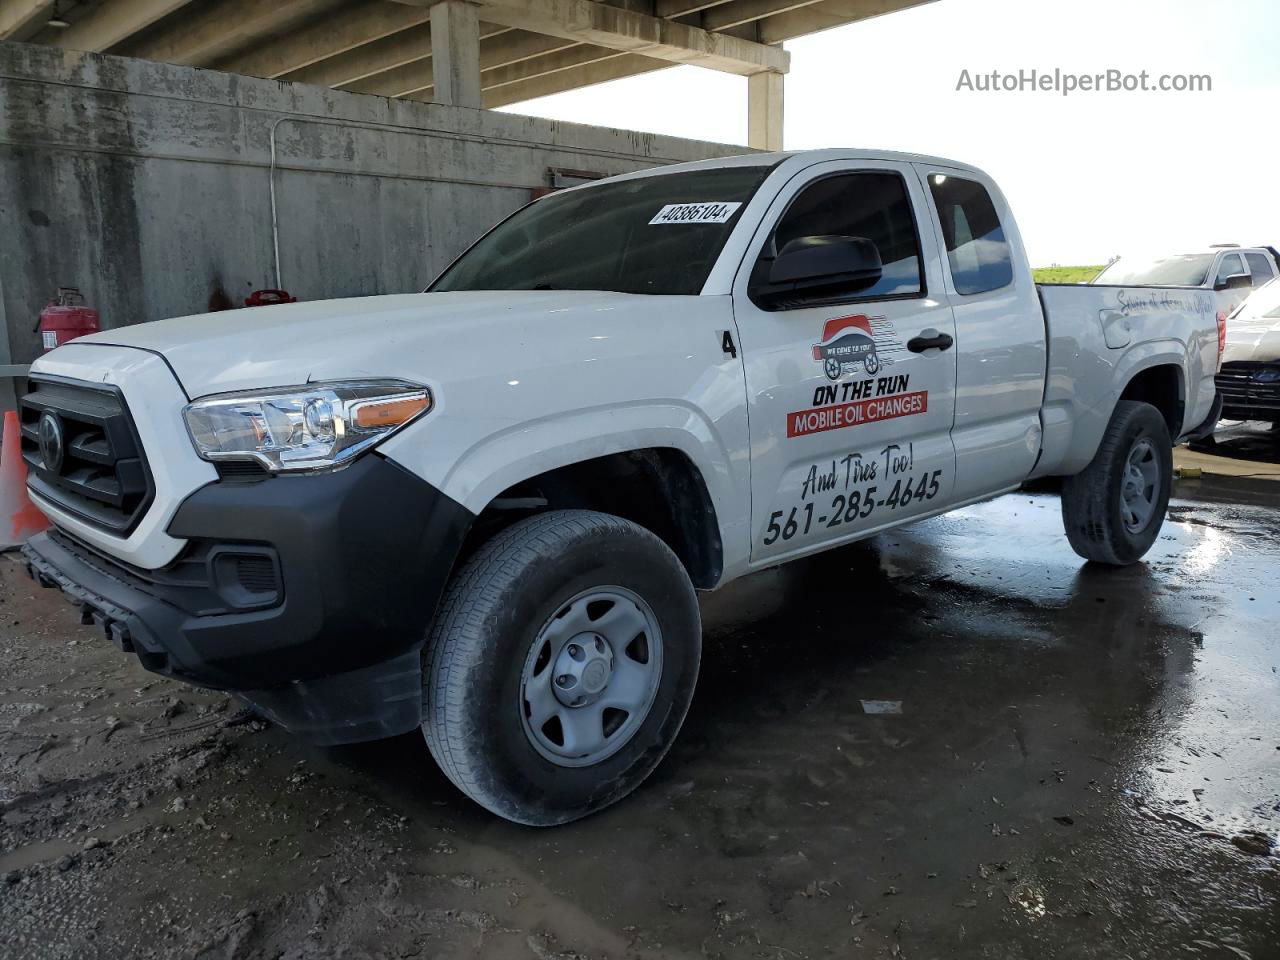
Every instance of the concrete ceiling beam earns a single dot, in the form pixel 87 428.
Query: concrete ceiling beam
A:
pixel 223 27
pixel 115 21
pixel 389 53
pixel 19 19
pixel 615 68
pixel 735 14
pixel 532 69
pixel 359 24
pixel 410 78
pixel 631 32
pixel 827 14
pixel 670 9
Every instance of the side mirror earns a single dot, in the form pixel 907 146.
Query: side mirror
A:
pixel 1237 281
pixel 819 267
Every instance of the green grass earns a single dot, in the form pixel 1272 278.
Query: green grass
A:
pixel 1065 274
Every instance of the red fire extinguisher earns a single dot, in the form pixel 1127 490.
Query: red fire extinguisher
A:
pixel 65 319
pixel 265 298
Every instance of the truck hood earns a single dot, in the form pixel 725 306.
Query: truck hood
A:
pixel 385 336
pixel 1255 338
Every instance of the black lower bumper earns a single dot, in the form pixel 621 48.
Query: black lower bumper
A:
pixel 308 596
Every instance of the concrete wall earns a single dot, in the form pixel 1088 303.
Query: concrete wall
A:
pixel 148 185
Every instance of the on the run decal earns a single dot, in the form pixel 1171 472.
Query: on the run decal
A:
pixel 858 347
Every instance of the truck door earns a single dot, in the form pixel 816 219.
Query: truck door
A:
pixel 1000 332
pixel 850 385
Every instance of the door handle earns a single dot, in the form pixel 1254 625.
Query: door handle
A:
pixel 929 340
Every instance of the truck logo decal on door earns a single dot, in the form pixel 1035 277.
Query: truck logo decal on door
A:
pixel 847 344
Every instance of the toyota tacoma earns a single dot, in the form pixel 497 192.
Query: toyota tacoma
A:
pixel 485 510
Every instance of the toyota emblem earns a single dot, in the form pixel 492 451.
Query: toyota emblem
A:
pixel 52 448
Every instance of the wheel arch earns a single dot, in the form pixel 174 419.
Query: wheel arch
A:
pixel 1162 384
pixel 659 488
pixel 662 466
pixel 1075 424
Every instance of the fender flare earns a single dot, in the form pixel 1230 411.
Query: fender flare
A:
pixel 501 459
pixel 1074 431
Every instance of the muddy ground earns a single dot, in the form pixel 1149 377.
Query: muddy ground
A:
pixel 1086 763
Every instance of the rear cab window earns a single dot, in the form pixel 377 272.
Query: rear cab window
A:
pixel 978 251
pixel 1261 267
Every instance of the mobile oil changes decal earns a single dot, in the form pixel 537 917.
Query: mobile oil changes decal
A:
pixel 695 213
pixel 857 347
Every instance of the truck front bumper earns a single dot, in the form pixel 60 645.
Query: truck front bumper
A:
pixel 309 596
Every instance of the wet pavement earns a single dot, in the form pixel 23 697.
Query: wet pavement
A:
pixel 952 741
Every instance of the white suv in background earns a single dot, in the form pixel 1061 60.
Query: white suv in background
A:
pixel 1227 270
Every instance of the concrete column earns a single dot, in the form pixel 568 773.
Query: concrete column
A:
pixel 455 53
pixel 764 111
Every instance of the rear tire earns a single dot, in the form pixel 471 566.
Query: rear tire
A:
pixel 560 666
pixel 1113 509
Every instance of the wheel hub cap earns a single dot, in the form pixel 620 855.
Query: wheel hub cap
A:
pixel 582 670
pixel 1140 486
pixel 591 676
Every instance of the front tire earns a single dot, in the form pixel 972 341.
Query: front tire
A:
pixel 1113 509
pixel 560 666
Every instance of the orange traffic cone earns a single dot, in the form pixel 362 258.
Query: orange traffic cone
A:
pixel 19 518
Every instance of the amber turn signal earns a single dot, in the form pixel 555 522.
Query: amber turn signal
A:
pixel 374 414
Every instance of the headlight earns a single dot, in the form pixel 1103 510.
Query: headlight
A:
pixel 312 427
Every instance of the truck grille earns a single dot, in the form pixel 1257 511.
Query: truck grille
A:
pixel 83 453
pixel 1249 387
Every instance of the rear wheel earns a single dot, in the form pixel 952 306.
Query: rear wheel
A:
pixel 1113 509
pixel 560 666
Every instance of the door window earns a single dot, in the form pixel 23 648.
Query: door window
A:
pixel 869 205
pixel 1231 266
pixel 976 246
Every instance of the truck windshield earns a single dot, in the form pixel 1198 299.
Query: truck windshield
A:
pixel 1185 270
pixel 656 235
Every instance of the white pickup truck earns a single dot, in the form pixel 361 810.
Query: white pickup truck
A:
pixel 485 509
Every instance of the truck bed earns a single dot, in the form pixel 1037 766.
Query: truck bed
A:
pixel 1100 336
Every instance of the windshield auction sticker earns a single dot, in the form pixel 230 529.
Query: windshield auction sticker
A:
pixel 695 213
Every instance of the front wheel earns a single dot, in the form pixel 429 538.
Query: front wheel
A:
pixel 1113 509
pixel 560 666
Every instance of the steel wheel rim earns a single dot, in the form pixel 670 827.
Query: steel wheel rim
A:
pixel 1139 486
pixel 591 676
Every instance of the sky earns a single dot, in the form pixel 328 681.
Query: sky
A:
pixel 1089 176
